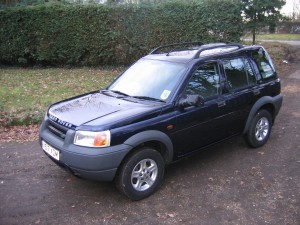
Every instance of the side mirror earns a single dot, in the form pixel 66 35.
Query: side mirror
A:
pixel 191 100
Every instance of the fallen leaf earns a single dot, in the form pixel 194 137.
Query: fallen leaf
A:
pixel 172 215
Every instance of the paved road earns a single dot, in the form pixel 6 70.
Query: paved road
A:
pixel 228 184
pixel 294 43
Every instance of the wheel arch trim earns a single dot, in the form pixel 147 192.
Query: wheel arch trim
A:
pixel 152 135
pixel 275 101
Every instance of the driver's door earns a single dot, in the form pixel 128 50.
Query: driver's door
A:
pixel 197 127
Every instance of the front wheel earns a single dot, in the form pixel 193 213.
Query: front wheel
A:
pixel 141 174
pixel 260 129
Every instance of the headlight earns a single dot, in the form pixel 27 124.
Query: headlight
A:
pixel 92 139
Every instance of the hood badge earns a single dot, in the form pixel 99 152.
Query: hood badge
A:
pixel 60 122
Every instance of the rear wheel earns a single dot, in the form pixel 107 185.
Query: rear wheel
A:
pixel 260 129
pixel 141 174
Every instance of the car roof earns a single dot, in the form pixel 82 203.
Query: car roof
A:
pixel 188 51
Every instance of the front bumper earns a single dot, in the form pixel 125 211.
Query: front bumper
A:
pixel 99 164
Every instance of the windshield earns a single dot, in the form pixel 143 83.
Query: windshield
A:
pixel 149 78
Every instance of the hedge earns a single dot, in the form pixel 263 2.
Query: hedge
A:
pixel 93 35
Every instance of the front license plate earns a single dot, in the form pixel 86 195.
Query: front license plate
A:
pixel 50 150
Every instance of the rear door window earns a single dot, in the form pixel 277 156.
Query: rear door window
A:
pixel 239 73
pixel 235 73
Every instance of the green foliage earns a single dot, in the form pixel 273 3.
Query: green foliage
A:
pixel 18 3
pixel 110 34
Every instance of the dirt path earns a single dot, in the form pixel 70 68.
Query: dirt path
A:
pixel 228 184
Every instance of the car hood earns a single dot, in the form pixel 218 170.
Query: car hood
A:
pixel 97 109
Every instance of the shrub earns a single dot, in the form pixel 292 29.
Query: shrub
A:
pixel 101 34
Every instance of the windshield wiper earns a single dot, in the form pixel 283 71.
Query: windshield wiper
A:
pixel 114 91
pixel 138 97
pixel 119 92
pixel 148 98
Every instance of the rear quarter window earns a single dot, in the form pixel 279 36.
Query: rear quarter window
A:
pixel 264 63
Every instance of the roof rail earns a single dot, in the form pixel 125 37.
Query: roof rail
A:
pixel 220 45
pixel 156 50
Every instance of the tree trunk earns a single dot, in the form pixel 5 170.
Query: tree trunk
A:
pixel 253 36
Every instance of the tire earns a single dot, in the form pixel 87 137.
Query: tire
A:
pixel 141 174
pixel 260 129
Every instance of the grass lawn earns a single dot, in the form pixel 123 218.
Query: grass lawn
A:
pixel 25 94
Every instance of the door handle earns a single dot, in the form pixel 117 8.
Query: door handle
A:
pixel 221 104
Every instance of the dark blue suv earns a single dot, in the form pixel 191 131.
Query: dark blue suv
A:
pixel 171 103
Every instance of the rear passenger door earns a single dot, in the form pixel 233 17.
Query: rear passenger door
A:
pixel 241 92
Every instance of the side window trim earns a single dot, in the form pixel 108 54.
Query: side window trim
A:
pixel 245 60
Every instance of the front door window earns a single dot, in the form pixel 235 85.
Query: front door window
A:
pixel 205 81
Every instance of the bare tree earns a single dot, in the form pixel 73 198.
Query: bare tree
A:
pixel 296 10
